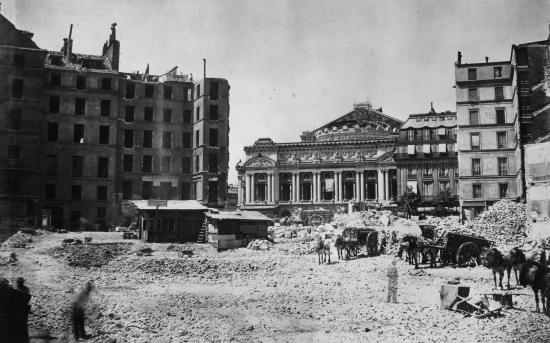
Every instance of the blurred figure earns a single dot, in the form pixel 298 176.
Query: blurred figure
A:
pixel 21 285
pixel 78 309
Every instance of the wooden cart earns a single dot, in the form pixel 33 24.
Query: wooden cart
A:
pixel 360 240
pixel 458 249
pixel 463 249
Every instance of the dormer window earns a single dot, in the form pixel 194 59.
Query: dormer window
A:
pixel 498 72
pixel 442 118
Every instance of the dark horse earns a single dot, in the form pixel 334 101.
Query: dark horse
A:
pixel 494 259
pixel 517 259
pixel 410 245
pixel 339 244
pixel 537 275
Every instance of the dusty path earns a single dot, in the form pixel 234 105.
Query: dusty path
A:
pixel 258 296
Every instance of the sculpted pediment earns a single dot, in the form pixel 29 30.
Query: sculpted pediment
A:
pixel 260 161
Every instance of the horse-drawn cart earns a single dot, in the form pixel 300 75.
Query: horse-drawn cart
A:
pixel 457 249
pixel 360 241
pixel 463 249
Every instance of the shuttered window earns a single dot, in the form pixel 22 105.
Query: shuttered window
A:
pixel 474 118
pixel 472 94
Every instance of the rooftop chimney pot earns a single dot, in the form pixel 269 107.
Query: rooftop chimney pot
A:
pixel 486 59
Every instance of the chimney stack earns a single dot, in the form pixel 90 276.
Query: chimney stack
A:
pixel 486 59
pixel 459 58
pixel 69 44
pixel 204 59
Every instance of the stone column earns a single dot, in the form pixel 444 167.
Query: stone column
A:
pixel 387 190
pixel 298 187
pixel 340 188
pixel 336 187
pixel 293 190
pixel 314 187
pixel 247 184
pixel 268 195
pixel 357 185
pixel 319 195
pixel 252 190
pixel 240 191
pixel 362 186
pixel 380 185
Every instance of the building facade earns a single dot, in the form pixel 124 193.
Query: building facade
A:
pixel 350 158
pixel 426 155
pixel 488 151
pixel 21 94
pixel 83 138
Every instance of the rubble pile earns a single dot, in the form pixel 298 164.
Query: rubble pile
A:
pixel 260 244
pixel 19 240
pixel 362 219
pixel 503 223
pixel 209 268
pixel 94 255
pixel 295 246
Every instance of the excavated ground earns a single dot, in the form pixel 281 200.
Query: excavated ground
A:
pixel 251 296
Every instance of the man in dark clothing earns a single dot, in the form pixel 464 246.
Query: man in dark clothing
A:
pixel 21 286
pixel 78 309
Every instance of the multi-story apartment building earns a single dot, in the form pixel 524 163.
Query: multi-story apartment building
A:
pixel 21 94
pixel 426 154
pixel 154 137
pixel 531 90
pixel 79 152
pixel 81 137
pixel 488 151
pixel 211 141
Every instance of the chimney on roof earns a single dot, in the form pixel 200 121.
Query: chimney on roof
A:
pixel 432 107
pixel 486 59
pixel 111 48
pixel 68 45
pixel 204 59
pixel 459 62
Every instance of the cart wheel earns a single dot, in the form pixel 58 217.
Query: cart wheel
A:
pixel 372 243
pixel 467 253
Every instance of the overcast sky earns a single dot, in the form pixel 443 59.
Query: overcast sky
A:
pixel 296 65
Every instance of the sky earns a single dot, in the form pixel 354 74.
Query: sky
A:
pixel 294 66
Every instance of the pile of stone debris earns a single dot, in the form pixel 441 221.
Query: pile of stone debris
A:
pixel 94 255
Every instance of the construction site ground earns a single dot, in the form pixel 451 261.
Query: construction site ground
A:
pixel 253 296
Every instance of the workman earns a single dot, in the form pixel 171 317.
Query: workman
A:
pixel 78 309
pixel 392 282
pixel 21 285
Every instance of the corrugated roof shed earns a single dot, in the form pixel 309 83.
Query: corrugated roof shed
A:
pixel 239 215
pixel 172 205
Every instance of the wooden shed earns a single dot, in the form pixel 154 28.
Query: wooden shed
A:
pixel 179 221
pixel 227 230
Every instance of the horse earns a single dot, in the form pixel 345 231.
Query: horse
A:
pixel 537 275
pixel 410 245
pixel 339 244
pixel 494 259
pixel 322 248
pixel 517 259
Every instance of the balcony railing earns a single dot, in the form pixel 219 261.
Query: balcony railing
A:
pixel 427 198
pixel 431 138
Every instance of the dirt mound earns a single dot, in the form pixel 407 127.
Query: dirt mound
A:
pixel 92 255
pixel 209 268
pixel 19 240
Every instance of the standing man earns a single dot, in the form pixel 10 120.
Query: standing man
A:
pixel 78 309
pixel 392 282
